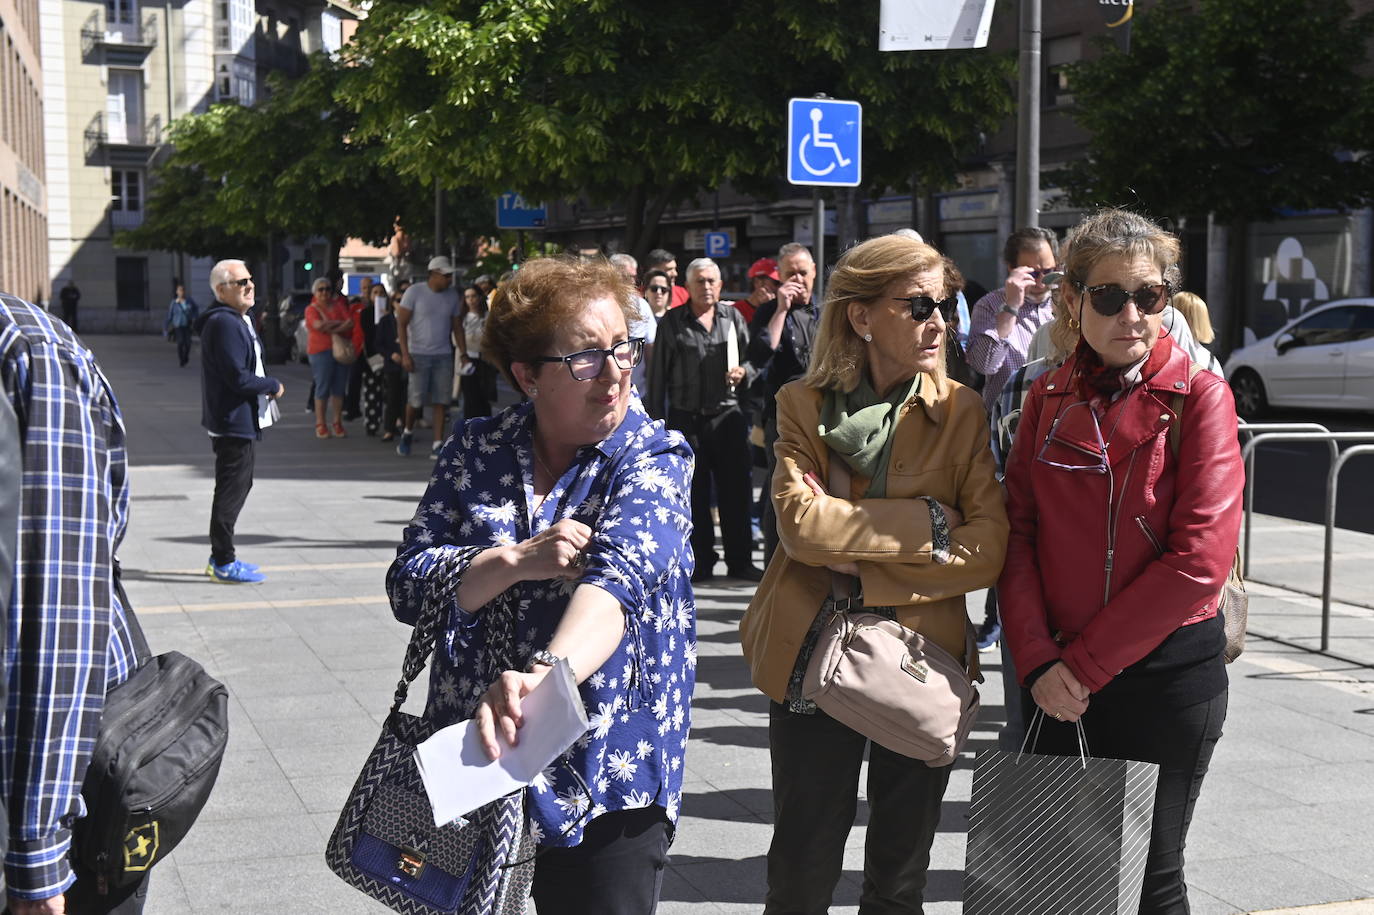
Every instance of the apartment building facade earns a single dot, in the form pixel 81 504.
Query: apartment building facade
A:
pixel 118 73
pixel 23 192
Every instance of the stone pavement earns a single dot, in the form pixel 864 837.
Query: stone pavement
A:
pixel 311 657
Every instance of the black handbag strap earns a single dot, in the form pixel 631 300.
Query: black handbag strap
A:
pixel 444 580
pixel 842 587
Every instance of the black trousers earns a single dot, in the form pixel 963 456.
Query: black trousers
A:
pixel 616 870
pixel 353 393
pixel 769 521
pixel 1122 725
pixel 183 335
pixel 393 399
pixel 233 480
pixel 721 445
pixel 478 390
pixel 815 797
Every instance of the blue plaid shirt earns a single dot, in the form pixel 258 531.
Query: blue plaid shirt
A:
pixel 67 640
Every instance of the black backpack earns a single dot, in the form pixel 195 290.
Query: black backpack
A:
pixel 162 738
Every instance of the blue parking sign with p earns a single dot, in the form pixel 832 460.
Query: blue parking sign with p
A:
pixel 717 244
pixel 824 142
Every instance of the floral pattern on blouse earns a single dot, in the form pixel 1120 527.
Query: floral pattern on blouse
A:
pixel 632 490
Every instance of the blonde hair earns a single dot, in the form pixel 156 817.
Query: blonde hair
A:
pixel 1107 233
pixel 839 356
pixel 1194 310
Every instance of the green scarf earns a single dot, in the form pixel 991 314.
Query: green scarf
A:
pixel 858 426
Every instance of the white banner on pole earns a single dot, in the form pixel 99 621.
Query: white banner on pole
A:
pixel 934 25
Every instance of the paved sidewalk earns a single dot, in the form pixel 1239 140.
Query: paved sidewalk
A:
pixel 312 655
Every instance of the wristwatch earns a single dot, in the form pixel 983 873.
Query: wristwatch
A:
pixel 542 656
pixel 1010 309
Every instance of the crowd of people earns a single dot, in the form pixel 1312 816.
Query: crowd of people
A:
pixel 1080 341
pixel 1089 470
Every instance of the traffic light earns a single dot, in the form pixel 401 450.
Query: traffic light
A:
pixel 309 266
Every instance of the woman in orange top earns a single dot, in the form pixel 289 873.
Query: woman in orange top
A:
pixel 326 315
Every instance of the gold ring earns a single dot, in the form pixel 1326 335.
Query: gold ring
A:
pixel 1057 716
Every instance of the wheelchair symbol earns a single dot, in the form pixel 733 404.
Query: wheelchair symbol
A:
pixel 818 139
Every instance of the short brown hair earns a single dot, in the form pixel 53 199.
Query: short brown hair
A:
pixel 526 311
pixel 838 356
pixel 1107 233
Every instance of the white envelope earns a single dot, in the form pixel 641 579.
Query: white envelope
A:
pixel 459 777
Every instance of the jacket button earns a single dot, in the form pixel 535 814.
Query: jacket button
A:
pixel 1164 417
pixel 900 465
pixel 1179 385
pixel 1049 387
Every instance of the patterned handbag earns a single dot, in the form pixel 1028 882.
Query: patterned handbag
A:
pixel 386 844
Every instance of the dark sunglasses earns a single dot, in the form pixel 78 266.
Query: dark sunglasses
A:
pixel 659 289
pixel 1109 298
pixel 1047 274
pixel 587 364
pixel 923 306
pixel 242 284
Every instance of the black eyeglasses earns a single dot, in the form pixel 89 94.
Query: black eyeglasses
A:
pixel 923 306
pixel 1109 298
pixel 587 364
pixel 659 289
pixel 242 284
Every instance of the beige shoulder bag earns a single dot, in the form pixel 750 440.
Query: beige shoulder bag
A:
pixel 885 681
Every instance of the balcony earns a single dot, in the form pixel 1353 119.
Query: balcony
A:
pixel 126 140
pixel 126 219
pixel 126 42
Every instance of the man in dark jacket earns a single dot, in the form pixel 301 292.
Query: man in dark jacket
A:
pixel 780 338
pixel 238 402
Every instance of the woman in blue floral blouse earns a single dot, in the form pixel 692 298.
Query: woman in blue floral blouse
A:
pixel 561 526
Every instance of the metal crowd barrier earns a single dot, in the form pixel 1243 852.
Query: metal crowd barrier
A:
pixel 1332 479
pixel 1338 460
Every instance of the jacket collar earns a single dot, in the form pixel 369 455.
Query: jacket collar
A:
pixel 931 396
pixel 515 427
pixel 1136 418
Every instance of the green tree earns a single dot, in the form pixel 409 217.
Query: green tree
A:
pixel 238 177
pixel 626 101
pixel 1235 108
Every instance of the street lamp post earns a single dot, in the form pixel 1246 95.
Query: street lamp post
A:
pixel 1028 119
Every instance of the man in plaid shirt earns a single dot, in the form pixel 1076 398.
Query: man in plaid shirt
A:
pixel 67 639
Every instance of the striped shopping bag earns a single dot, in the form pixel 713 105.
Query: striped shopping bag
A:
pixel 1057 835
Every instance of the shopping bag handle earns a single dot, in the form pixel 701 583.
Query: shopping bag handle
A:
pixel 1033 736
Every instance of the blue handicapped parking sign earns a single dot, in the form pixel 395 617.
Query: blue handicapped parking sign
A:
pixel 824 142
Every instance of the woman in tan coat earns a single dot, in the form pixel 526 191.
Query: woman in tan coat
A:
pixel 922 524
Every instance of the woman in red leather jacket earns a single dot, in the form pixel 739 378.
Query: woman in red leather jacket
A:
pixel 1119 544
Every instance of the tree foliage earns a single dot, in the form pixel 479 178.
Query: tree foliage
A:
pixel 1232 107
pixel 632 102
pixel 290 166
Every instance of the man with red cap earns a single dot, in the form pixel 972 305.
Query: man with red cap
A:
pixel 764 283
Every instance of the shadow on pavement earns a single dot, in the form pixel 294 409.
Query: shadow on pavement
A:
pixel 743 881
pixel 295 542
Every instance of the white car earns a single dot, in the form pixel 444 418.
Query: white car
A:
pixel 1323 359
